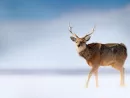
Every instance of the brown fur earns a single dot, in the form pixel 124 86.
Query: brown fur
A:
pixel 97 54
pixel 111 54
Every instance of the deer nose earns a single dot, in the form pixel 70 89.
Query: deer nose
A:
pixel 78 45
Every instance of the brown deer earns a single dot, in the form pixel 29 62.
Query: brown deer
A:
pixel 98 54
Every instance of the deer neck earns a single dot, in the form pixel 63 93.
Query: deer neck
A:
pixel 85 53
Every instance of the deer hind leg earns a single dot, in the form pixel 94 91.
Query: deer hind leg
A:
pixel 96 77
pixel 121 69
pixel 93 70
pixel 122 76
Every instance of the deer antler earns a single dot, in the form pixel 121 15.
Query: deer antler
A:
pixel 91 31
pixel 70 29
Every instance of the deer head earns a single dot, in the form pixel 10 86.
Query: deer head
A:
pixel 80 42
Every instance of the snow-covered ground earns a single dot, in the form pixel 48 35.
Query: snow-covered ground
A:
pixel 62 86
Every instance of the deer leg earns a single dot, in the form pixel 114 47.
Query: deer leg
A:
pixel 90 74
pixel 96 77
pixel 122 71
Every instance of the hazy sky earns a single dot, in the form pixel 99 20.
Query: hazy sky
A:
pixel 34 33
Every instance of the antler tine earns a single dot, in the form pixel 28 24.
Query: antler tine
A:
pixel 91 31
pixel 70 29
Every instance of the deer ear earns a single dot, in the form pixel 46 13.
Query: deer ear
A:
pixel 73 39
pixel 87 38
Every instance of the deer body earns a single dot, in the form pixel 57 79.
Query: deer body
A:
pixel 107 55
pixel 97 54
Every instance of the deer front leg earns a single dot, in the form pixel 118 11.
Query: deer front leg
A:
pixel 94 69
pixel 96 77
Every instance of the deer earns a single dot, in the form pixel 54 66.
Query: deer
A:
pixel 99 54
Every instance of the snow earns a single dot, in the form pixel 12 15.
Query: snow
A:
pixel 62 86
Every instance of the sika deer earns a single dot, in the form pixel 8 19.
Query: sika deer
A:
pixel 98 54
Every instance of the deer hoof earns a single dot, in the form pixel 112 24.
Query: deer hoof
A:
pixel 97 86
pixel 86 86
pixel 122 85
